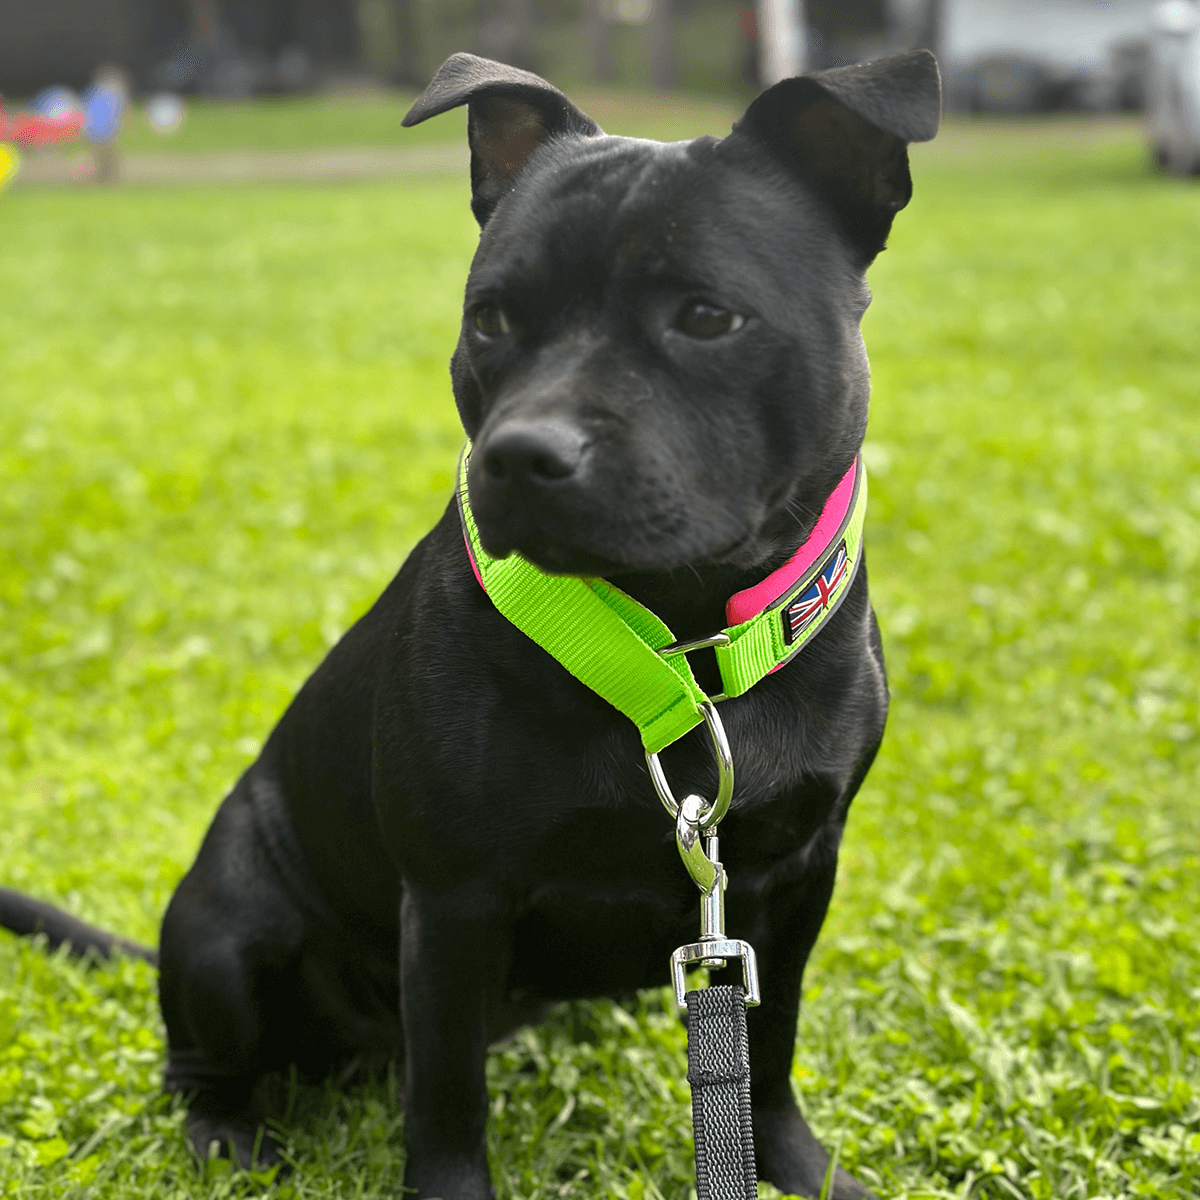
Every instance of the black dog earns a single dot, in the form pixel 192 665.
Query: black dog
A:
pixel 662 373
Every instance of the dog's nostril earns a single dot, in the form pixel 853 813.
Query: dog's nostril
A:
pixel 539 454
pixel 549 466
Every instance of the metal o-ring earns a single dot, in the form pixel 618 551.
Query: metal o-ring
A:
pixel 720 806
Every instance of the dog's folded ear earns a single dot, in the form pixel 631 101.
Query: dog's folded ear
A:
pixel 846 131
pixel 510 113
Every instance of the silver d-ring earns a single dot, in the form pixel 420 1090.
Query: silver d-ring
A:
pixel 720 806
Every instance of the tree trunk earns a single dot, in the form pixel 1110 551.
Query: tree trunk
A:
pixel 407 69
pixel 660 31
pixel 203 17
pixel 934 22
pixel 524 30
pixel 599 33
pixel 781 39
pixel 505 30
pixel 484 40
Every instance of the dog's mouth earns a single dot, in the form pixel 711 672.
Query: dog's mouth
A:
pixel 557 555
pixel 558 558
pixel 609 523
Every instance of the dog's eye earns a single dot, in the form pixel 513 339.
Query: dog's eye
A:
pixel 700 320
pixel 491 321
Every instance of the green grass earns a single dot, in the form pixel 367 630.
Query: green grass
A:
pixel 224 418
pixel 293 123
pixel 313 122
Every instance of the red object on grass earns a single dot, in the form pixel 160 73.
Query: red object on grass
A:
pixel 32 129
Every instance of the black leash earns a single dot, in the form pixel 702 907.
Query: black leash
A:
pixel 719 1072
pixel 718 1055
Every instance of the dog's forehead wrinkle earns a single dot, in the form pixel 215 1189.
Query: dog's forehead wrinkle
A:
pixel 606 181
pixel 512 273
pixel 597 172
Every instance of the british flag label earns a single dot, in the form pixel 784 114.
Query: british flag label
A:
pixel 808 606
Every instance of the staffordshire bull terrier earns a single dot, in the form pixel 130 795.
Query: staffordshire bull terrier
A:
pixel 662 376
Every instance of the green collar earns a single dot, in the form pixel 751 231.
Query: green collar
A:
pixel 623 652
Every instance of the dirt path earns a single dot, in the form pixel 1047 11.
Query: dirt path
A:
pixel 247 166
pixel 962 138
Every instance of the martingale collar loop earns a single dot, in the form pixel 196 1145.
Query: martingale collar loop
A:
pixel 623 652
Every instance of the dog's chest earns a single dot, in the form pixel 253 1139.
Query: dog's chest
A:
pixel 605 859
pixel 607 898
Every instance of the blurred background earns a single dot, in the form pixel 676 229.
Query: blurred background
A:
pixel 999 55
pixel 83 66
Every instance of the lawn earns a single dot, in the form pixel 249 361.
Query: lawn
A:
pixel 225 418
pixel 373 119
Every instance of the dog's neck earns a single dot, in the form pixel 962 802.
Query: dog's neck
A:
pixel 691 600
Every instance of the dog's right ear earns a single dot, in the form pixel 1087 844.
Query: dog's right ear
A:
pixel 510 113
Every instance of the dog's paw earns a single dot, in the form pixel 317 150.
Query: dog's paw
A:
pixel 247 1144
pixel 846 1187
pixel 790 1157
pixel 447 1179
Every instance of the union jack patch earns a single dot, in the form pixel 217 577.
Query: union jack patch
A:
pixel 805 609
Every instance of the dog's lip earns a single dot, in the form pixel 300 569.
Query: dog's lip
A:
pixel 562 547
pixel 557 556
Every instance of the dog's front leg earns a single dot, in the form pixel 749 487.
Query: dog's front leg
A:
pixel 451 950
pixel 787 1152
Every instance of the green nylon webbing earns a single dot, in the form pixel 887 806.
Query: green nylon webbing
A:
pixel 610 642
pixel 602 636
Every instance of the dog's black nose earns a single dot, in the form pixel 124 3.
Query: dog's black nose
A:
pixel 541 453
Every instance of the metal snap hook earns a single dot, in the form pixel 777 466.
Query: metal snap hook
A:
pixel 720 806
pixel 705 872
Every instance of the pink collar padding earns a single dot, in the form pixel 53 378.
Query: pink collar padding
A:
pixel 744 605
pixel 471 560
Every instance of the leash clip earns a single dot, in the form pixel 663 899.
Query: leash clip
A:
pixel 700 850
pixel 696 840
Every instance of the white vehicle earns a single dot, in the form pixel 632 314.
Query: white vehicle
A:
pixel 1173 87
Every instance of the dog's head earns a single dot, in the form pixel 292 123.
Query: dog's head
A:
pixel 660 361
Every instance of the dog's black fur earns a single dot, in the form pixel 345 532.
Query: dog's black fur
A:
pixel 662 373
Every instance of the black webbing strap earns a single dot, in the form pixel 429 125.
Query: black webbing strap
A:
pixel 719 1072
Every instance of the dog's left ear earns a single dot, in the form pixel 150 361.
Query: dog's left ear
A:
pixel 846 131
pixel 510 113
